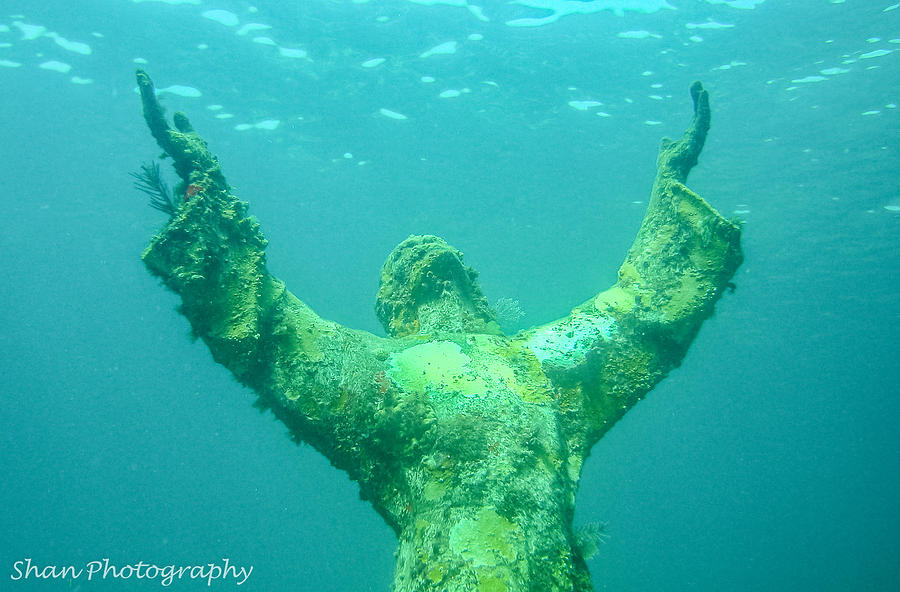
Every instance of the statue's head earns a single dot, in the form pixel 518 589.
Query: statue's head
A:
pixel 426 289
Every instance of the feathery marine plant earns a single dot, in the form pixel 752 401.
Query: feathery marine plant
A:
pixel 151 182
pixel 588 538
pixel 508 313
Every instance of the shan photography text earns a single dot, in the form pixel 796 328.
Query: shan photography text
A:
pixel 103 569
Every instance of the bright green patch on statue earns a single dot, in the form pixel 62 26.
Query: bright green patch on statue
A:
pixel 615 301
pixel 440 363
pixel 491 584
pixel 434 490
pixel 485 540
pixel 436 573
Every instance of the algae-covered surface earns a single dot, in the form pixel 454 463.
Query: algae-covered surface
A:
pixel 525 134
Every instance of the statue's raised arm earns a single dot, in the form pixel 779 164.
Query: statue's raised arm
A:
pixel 468 442
pixel 324 381
pixel 614 348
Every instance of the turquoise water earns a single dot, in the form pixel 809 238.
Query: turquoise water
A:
pixel 524 133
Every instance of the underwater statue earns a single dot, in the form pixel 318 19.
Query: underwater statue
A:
pixel 468 442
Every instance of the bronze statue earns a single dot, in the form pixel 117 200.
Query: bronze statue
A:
pixel 468 442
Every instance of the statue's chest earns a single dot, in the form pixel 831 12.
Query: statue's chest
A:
pixel 487 379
